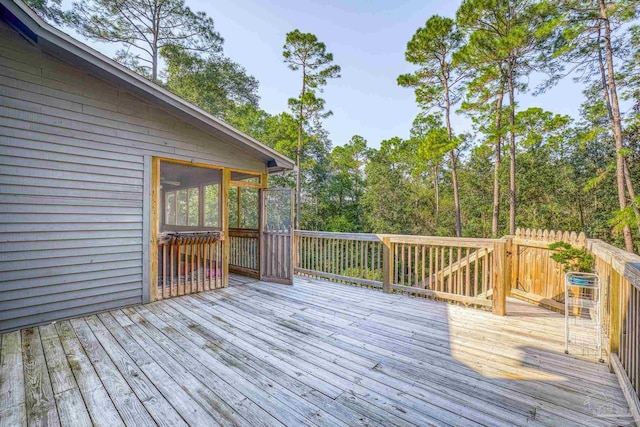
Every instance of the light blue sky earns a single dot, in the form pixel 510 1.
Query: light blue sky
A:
pixel 367 38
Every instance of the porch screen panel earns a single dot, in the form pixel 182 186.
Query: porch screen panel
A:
pixel 190 196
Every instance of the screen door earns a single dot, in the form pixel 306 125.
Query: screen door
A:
pixel 277 235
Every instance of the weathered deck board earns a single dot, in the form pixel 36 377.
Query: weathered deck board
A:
pixel 316 353
pixel 41 407
pixel 13 411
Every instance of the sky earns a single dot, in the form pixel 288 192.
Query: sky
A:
pixel 368 40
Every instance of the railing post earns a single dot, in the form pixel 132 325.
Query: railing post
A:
pixel 510 264
pixel 500 279
pixel 614 311
pixel 387 265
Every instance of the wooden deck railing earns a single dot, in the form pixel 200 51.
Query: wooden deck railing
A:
pixel 188 263
pixel 619 273
pixel 244 252
pixel 463 270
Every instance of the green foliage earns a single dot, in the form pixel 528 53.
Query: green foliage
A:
pixel 52 11
pixel 214 83
pixel 304 51
pixel 572 259
pixel 144 27
pixel 565 170
pixel 431 48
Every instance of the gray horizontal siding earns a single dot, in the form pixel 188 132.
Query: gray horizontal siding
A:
pixel 72 154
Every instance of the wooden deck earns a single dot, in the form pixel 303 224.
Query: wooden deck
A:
pixel 316 353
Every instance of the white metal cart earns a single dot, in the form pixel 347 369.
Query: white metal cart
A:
pixel 583 315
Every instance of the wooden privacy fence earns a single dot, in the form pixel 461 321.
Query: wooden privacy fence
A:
pixel 534 275
pixel 537 278
pixel 188 263
pixel 244 252
pixel 470 271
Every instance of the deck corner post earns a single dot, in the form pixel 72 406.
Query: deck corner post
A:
pixel 387 265
pixel 500 279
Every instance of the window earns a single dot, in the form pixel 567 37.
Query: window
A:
pixel 190 196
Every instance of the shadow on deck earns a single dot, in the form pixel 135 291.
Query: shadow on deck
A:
pixel 316 353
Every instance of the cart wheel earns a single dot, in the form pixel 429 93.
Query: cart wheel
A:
pixel 601 360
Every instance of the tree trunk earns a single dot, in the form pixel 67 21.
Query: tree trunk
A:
pixel 436 188
pixel 454 174
pixel 298 189
pixel 496 167
pixel 632 194
pixel 299 150
pixel 512 149
pixel 154 46
pixel 616 122
pixel 456 195
pixel 154 67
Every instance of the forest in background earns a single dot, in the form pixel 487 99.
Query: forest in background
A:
pixel 526 167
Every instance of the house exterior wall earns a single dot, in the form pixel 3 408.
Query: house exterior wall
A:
pixel 75 156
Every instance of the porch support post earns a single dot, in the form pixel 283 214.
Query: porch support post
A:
pixel 226 174
pixel 154 224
